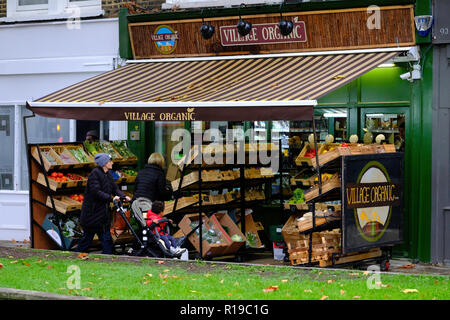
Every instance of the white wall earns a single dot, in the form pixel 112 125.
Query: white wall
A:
pixel 37 59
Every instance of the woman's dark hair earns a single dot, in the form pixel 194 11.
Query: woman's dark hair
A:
pixel 157 207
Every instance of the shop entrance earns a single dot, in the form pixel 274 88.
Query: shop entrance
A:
pixel 395 124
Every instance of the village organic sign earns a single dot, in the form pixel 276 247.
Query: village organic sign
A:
pixel 264 33
pixel 372 205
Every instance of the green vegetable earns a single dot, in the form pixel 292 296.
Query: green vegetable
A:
pixel 236 238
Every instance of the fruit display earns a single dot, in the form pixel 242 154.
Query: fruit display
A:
pixel 298 197
pixel 77 197
pixel 122 149
pixel 130 172
pixel 58 176
pixel 76 177
pixel 310 154
pixel 325 177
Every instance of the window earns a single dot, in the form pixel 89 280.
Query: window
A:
pixel 28 10
pixel 7 115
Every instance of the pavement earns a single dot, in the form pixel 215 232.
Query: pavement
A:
pixel 397 265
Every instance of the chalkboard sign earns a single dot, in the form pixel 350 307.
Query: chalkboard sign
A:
pixel 372 193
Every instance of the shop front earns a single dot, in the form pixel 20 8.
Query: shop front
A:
pixel 310 81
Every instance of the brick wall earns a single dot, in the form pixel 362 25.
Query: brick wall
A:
pixel 111 7
pixel 2 8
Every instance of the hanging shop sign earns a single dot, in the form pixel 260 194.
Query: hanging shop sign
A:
pixel 265 33
pixel 390 26
pixel 372 195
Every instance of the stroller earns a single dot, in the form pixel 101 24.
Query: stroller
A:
pixel 147 242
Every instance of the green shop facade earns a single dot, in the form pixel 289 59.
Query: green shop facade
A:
pixel 357 59
pixel 380 91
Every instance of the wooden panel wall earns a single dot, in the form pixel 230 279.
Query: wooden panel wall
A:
pixel 326 30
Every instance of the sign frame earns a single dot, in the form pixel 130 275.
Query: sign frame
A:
pixel 354 238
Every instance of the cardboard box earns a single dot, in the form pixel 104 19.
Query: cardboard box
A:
pixel 231 228
pixel 173 172
pixel 251 231
pixel 209 250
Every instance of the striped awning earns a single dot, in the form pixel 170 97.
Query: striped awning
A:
pixel 265 87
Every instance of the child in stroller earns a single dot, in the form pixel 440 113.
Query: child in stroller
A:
pixel 156 224
pixel 148 237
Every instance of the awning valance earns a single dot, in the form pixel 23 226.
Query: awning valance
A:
pixel 263 87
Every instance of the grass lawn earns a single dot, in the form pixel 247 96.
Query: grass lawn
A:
pixel 197 280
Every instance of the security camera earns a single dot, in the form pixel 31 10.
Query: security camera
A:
pixel 406 76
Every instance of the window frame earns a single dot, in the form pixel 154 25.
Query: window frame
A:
pixel 54 9
pixel 31 7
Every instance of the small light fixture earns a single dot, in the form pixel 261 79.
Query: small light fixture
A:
pixel 285 27
pixel 206 29
pixel 243 27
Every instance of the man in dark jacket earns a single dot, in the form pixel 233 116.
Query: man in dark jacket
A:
pixel 150 181
pixel 95 217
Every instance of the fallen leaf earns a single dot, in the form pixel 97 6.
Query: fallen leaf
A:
pixel 166 270
pixel 331 281
pixel 408 266
pixel 229 294
pixel 25 264
pixel 284 280
pixel 149 275
pixel 324 297
pixel 15 261
pixel 342 292
pixel 39 261
pixel 354 274
pixel 83 255
pixel 208 275
pixel 236 283
pixel 310 291
pixel 161 262
pixel 366 273
pixel 270 289
pixel 410 290
pixel 49 267
pixel 221 281
pixel 1 265
pixel 356 297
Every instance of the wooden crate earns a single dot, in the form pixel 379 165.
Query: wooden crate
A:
pixel 324 244
pixel 63 204
pixel 90 158
pixel 301 160
pixel 183 202
pixel 57 185
pixel 332 183
pixel 209 250
pixel 351 257
pixel 217 199
pixel 47 164
pixel 252 228
pixel 223 219
pixel 67 158
pixel 352 149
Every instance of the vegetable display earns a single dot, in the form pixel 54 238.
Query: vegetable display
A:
pixel 298 196
pixel 79 154
pixel 122 149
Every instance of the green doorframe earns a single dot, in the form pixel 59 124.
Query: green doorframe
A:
pixel 409 221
